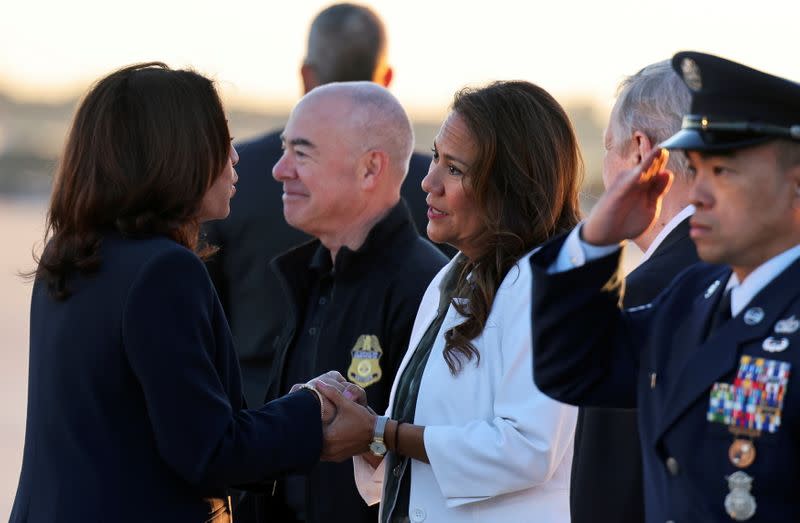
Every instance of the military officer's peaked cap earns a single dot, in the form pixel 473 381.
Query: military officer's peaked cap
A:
pixel 733 106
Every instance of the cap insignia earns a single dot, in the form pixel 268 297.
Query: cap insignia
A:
pixel 691 74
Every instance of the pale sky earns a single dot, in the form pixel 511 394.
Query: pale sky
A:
pixel 576 50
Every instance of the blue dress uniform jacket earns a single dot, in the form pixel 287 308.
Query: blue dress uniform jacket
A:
pixel 606 438
pixel 135 406
pixel 589 352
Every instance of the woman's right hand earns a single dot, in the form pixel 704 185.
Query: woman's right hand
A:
pixel 351 430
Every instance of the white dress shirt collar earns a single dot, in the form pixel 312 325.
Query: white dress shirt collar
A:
pixel 742 293
pixel 668 228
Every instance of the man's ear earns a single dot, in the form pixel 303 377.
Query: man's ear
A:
pixel 641 146
pixel 374 166
pixel 387 77
pixel 309 76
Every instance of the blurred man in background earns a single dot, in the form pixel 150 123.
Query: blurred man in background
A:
pixel 648 110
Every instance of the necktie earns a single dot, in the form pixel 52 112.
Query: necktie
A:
pixel 722 313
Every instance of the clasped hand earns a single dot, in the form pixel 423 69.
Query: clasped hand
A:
pixel 347 423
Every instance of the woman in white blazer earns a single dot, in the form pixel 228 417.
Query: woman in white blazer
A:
pixel 469 436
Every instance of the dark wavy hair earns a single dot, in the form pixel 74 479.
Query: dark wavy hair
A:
pixel 524 185
pixel 146 143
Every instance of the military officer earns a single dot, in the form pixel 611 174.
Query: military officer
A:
pixel 709 363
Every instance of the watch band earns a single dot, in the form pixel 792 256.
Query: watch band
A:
pixel 380 427
pixel 378 446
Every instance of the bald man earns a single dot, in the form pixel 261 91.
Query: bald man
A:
pixel 346 42
pixel 350 296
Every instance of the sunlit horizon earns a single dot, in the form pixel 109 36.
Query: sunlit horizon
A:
pixel 579 52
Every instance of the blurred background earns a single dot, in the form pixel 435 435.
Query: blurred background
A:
pixel 51 52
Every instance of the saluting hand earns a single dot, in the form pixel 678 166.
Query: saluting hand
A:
pixel 632 202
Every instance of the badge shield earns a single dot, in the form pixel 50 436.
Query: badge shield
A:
pixel 365 367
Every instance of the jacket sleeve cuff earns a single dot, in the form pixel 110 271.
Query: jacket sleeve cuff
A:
pixel 369 480
pixel 575 252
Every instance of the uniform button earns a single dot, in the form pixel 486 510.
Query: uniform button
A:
pixel 312 331
pixel 671 521
pixel 672 466
pixel 417 515
pixel 397 471
pixel 323 300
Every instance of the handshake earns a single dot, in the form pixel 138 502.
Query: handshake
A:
pixel 348 424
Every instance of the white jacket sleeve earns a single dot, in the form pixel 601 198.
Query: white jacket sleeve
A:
pixel 369 480
pixel 529 435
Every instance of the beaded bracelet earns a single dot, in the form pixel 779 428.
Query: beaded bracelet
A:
pixel 397 437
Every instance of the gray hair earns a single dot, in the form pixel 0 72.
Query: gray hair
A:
pixel 653 101
pixel 346 43
pixel 379 119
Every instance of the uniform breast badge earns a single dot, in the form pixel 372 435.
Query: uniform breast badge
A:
pixel 787 325
pixel 365 365
pixel 739 503
pixel 750 406
pixel 753 315
pixel 773 344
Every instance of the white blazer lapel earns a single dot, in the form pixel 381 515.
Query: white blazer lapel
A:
pixel 425 315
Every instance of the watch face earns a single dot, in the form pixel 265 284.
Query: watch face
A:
pixel 377 448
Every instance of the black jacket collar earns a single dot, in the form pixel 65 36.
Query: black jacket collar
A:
pixel 680 232
pixel 380 243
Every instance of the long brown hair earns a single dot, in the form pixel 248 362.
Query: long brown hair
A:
pixel 145 145
pixel 525 186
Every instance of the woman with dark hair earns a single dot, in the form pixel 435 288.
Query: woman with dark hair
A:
pixel 135 407
pixel 469 436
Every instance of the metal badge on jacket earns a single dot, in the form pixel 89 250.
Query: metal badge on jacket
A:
pixel 365 367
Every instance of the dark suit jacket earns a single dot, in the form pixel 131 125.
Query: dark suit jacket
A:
pixel 251 236
pixel 607 440
pixel 135 406
pixel 661 359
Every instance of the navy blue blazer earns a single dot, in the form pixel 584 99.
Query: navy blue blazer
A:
pixel 589 352
pixel 609 438
pixel 135 406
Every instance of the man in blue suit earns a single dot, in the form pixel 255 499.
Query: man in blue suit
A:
pixel 346 43
pixel 648 110
pixel 708 363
